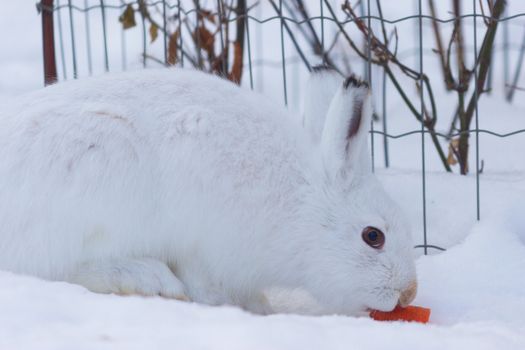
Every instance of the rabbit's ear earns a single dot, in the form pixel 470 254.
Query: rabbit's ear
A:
pixel 346 128
pixel 320 89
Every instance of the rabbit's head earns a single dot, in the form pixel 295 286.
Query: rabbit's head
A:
pixel 363 247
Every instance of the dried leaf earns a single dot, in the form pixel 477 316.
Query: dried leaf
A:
pixel 205 40
pixel 127 18
pixel 173 48
pixel 206 14
pixel 453 148
pixel 217 65
pixel 236 72
pixel 153 32
pixel 451 159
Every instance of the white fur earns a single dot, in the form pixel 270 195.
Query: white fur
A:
pixel 320 90
pixel 106 182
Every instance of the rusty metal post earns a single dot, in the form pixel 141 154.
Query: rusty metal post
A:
pixel 48 42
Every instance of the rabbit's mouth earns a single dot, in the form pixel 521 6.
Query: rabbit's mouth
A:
pixel 385 299
pixel 388 298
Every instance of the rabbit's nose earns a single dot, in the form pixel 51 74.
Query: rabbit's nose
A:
pixel 408 295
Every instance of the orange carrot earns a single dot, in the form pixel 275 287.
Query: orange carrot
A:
pixel 409 313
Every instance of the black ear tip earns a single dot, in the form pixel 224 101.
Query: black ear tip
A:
pixel 322 68
pixel 355 82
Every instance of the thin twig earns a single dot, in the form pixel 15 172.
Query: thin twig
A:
pixel 484 60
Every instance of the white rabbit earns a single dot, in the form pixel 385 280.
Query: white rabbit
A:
pixel 181 184
pixel 320 90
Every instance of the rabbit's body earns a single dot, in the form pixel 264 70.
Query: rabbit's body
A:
pixel 109 181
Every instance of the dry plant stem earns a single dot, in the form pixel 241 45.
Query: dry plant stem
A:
pixel 379 48
pixel 462 155
pixel 484 60
pixel 383 28
pixel 241 14
pixel 225 55
pixel 224 41
pixel 143 9
pixel 452 126
pixel 292 37
pixel 203 38
pixel 491 5
pixel 385 57
pixel 200 62
pixel 461 87
pixel 302 29
pixel 346 36
pixel 314 40
pixel 463 74
pixel 429 123
pixel 443 58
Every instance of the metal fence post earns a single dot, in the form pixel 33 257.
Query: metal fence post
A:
pixel 104 31
pixel 88 38
pixel 422 109
pixel 48 42
pixel 283 56
pixel 72 33
pixel 369 77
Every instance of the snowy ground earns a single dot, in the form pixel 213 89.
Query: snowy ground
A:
pixel 476 289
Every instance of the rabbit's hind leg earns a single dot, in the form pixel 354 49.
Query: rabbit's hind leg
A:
pixel 127 276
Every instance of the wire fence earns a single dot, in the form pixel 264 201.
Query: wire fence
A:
pixel 60 25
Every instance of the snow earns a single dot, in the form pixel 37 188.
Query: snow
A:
pixel 475 289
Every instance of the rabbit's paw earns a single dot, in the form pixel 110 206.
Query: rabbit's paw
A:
pixel 126 276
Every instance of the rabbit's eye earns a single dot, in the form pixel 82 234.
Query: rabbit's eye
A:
pixel 373 237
